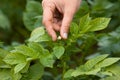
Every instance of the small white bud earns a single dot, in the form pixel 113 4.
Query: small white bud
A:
pixel 59 38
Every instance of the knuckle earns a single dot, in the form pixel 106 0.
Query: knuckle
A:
pixel 66 25
pixel 48 3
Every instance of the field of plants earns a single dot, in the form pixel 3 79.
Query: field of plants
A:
pixel 91 52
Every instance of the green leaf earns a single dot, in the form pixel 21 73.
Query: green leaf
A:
pixel 111 78
pixel 3 64
pixel 87 25
pixel 58 51
pixel 15 58
pixel 39 35
pixel 3 53
pixel 4 22
pixel 36 47
pixel 19 67
pixel 26 51
pixel 92 62
pixel 115 70
pixel 33 6
pixel 107 62
pixel 104 73
pixel 36 34
pixel 5 74
pixel 99 24
pixel 100 6
pixel 25 69
pixel 38 21
pixel 79 71
pixel 43 38
pixel 36 71
pixel 68 73
pixel 33 9
pixel 93 72
pixel 84 23
pixel 29 20
pixel 47 60
pixel 74 29
pixel 16 76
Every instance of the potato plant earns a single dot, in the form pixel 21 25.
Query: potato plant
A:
pixel 39 58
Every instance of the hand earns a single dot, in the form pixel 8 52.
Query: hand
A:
pixel 57 16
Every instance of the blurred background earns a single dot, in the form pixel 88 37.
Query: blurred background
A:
pixel 11 23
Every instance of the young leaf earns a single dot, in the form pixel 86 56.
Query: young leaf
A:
pixel 47 60
pixel 26 51
pixel 107 62
pixel 36 47
pixel 93 71
pixel 84 22
pixel 43 38
pixel 15 58
pixel 78 72
pixel 19 67
pixel 68 73
pixel 37 33
pixel 58 51
pixel 25 69
pixel 99 24
pixel 74 28
pixel 92 62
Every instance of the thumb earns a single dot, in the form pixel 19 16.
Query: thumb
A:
pixel 67 19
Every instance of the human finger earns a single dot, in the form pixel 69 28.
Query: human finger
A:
pixel 48 10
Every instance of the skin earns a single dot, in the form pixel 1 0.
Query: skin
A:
pixel 57 16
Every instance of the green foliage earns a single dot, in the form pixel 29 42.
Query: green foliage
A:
pixel 22 55
pixel 36 71
pixel 92 67
pixel 39 58
pixel 109 43
pixel 58 51
pixel 13 30
pixel 38 35
pixel 91 63
pixel 5 75
pixel 47 60
pixel 4 22
pixel 14 58
pixel 32 17
pixel 86 24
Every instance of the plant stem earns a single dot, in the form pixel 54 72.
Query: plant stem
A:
pixel 64 69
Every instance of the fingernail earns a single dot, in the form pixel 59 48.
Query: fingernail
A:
pixel 65 35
